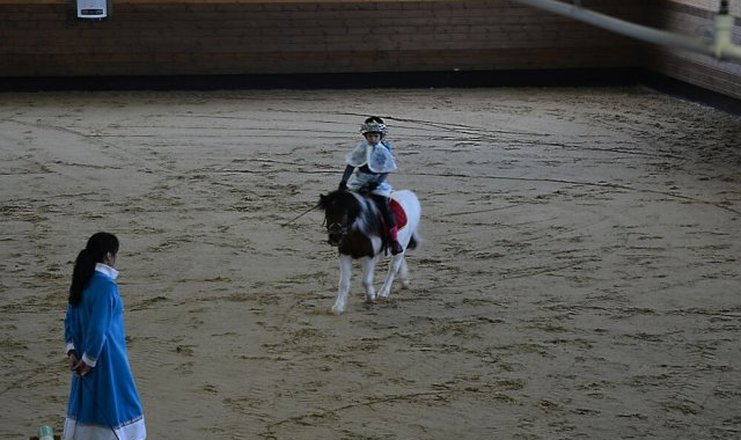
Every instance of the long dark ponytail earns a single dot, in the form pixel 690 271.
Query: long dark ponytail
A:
pixel 98 246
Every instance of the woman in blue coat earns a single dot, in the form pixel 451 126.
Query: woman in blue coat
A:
pixel 103 403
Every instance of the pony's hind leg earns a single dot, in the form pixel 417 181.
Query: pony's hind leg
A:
pixel 345 276
pixel 369 265
pixel 404 274
pixel 394 267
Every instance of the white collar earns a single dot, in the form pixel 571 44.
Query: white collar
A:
pixel 106 270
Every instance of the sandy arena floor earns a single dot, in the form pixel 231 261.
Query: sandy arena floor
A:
pixel 580 276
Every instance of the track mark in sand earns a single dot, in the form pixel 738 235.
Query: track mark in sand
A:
pixel 440 393
pixel 185 368
pixel 186 350
pixel 484 211
pixel 450 127
pixel 305 419
pixel 727 314
pixel 691 399
pixel 32 168
pixel 246 405
pixel 510 274
pixel 25 377
pixel 95 138
pixel 20 211
pixel 149 303
pixel 86 165
pixel 614 186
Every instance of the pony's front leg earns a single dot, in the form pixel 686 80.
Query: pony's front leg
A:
pixel 394 266
pixel 369 265
pixel 345 275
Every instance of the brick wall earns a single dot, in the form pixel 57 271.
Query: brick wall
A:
pixel 695 17
pixel 204 37
pixel 161 37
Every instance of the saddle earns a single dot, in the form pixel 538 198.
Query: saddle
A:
pixel 398 211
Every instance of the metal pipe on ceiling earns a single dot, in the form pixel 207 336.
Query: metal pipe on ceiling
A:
pixel 720 47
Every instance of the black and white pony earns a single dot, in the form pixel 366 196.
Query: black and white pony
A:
pixel 354 225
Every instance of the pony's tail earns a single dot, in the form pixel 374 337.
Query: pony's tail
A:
pixel 414 241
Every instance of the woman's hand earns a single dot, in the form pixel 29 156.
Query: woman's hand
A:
pixel 72 360
pixel 77 365
pixel 82 369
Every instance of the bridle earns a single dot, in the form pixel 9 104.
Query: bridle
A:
pixel 337 230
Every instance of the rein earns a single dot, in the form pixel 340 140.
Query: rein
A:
pixel 301 215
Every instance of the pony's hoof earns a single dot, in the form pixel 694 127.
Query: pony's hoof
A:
pixel 371 299
pixel 336 311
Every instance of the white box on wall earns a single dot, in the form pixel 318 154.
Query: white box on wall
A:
pixel 92 9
